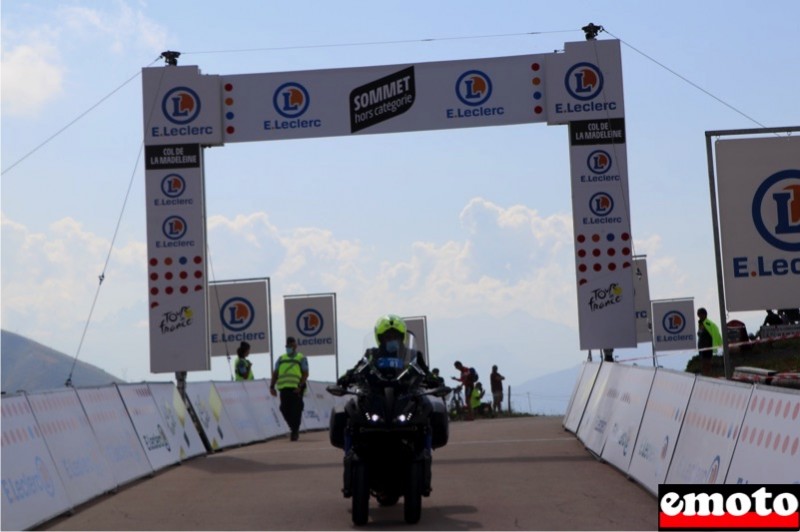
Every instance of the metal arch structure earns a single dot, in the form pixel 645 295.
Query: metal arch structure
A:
pixel 185 111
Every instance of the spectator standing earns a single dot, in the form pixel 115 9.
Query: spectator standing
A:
pixel 708 339
pixel 466 378
pixel 475 399
pixel 289 377
pixel 243 367
pixel 496 383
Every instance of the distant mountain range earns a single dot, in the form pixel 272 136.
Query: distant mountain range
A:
pixel 33 367
pixel 548 394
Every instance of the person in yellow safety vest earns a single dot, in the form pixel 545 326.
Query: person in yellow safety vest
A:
pixel 477 394
pixel 289 377
pixel 708 339
pixel 244 368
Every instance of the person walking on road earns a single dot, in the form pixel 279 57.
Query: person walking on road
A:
pixel 496 383
pixel 289 378
pixel 244 368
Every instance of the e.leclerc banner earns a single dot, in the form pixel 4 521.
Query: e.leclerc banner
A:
pixel 759 212
pixel 674 325
pixel 311 320
pixel 240 312
pixel 176 258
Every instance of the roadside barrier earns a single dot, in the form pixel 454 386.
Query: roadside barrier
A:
pixel 661 426
pixel 62 448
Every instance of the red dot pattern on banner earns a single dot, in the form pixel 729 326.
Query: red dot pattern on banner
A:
pixel 619 254
pixel 164 274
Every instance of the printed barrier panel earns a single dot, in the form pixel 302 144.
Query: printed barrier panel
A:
pixel 325 401
pixel 663 417
pixel 580 396
pixel 76 453
pixel 768 450
pixel 115 433
pixel 592 430
pixel 628 402
pixel 149 425
pixel 710 429
pixel 32 488
pixel 214 421
pixel 236 404
pixel 266 409
pixel 312 415
pixel 180 428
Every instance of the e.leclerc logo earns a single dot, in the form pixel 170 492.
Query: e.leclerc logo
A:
pixel 181 106
pixel 237 314
pixel 310 324
pixel 291 101
pixel 173 186
pixel 474 89
pixel 584 82
pixel 673 322
pixel 599 163
pixel 601 205
pixel 174 229
pixel 776 217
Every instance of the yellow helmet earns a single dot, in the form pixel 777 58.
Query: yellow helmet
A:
pixel 387 322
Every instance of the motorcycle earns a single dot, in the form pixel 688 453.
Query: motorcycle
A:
pixel 396 417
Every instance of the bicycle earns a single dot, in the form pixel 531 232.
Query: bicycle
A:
pixel 456 407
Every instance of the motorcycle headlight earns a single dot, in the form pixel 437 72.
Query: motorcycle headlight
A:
pixel 403 418
pixel 373 418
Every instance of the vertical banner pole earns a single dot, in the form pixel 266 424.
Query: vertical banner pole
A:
pixel 336 344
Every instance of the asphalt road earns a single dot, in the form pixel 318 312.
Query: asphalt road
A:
pixel 495 474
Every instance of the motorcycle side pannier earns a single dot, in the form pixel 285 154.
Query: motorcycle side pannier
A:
pixel 440 422
pixel 337 425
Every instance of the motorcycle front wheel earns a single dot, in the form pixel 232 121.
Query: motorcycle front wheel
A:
pixel 360 490
pixel 412 504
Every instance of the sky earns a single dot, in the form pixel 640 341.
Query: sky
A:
pixel 471 228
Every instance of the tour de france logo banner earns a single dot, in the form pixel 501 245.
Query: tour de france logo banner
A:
pixel 176 258
pixel 311 320
pixel 239 312
pixel 674 327
pixel 759 211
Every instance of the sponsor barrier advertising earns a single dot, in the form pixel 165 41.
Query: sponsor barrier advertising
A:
pixel 149 424
pixel 180 428
pixel 759 213
pixel 674 326
pixel 239 311
pixel 311 320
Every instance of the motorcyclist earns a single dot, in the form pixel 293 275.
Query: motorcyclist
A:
pixel 391 335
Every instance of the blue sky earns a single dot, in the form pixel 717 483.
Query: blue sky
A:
pixel 471 228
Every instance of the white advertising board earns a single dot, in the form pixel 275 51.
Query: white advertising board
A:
pixel 673 325
pixel 32 489
pixel 418 326
pixel 585 83
pixel 759 213
pixel 311 320
pixel 710 428
pixel 149 425
pixel 180 428
pixel 768 450
pixel 239 312
pixel 629 400
pixel 266 408
pixel 115 433
pixel 663 416
pixel 641 289
pixel 603 244
pixel 176 259
pixel 77 455
pixel 214 421
pixel 237 405
pixel 312 413
pixel 594 427
pixel 577 404
pixel 384 99
pixel 180 105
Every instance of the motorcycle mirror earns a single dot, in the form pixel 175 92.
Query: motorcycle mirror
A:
pixel 337 391
pixel 442 391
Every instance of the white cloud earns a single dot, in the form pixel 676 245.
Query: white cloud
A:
pixel 32 77
pixel 122 26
